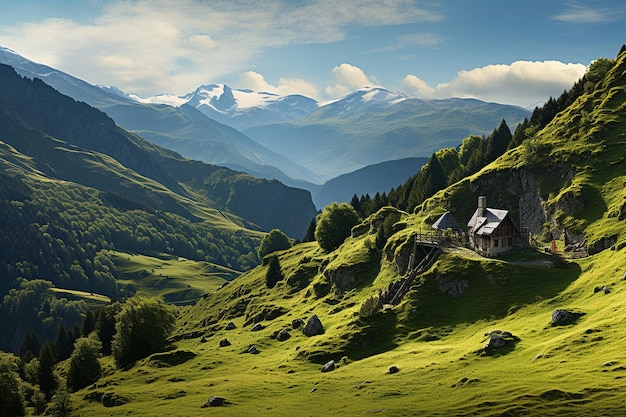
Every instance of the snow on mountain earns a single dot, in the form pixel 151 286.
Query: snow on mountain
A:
pixel 239 108
pixel 363 98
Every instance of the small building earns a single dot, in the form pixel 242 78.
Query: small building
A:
pixel 445 222
pixel 491 231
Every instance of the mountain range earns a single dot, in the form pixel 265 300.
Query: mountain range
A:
pixel 337 138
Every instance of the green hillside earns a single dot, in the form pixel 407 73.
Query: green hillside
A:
pixel 436 340
pixel 424 352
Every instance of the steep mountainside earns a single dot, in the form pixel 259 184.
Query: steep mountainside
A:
pixel 373 125
pixel 185 130
pixel 34 106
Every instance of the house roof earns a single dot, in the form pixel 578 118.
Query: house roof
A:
pixel 485 225
pixel 446 221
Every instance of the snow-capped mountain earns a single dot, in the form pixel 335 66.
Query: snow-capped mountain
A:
pixel 365 98
pixel 240 109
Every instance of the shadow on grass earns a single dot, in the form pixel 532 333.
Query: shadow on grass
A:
pixel 376 335
pixel 494 290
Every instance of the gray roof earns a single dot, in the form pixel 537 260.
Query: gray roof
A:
pixel 446 221
pixel 485 225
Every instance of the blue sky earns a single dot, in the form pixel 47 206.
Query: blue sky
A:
pixel 517 52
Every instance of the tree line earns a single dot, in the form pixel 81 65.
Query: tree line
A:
pixel 449 165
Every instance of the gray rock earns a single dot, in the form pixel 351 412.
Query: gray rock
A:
pixel 393 369
pixel 496 341
pixel 257 327
pixel 283 335
pixel 561 317
pixel 224 342
pixel 253 350
pixel 230 326
pixel 296 323
pixel 214 401
pixel 313 326
pixel 328 366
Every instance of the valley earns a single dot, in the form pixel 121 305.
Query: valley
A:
pixel 105 228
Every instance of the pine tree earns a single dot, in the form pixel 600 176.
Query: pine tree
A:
pixel 62 344
pixel 47 380
pixel 274 272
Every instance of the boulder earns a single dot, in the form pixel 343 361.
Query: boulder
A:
pixel 562 317
pixel 393 369
pixel 498 339
pixel 283 335
pixel 230 326
pixel 253 350
pixel 257 327
pixel 214 401
pixel 313 326
pixel 224 342
pixel 296 323
pixel 328 366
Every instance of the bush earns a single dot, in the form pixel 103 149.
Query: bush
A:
pixel 334 225
pixel 142 327
pixel 84 366
pixel 11 389
pixel 369 307
pixel 273 241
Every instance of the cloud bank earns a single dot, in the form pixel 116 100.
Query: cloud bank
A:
pixel 523 83
pixel 150 46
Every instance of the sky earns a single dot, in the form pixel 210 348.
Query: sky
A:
pixel 513 52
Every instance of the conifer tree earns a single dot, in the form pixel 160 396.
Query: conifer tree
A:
pixel 47 360
pixel 274 272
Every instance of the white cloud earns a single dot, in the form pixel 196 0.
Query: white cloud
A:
pixel 256 82
pixel 347 78
pixel 578 13
pixel 522 83
pixel 152 46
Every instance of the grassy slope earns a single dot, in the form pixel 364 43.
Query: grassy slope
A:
pixel 174 279
pixel 436 340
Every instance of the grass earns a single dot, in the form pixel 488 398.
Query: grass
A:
pixel 569 370
pixel 175 279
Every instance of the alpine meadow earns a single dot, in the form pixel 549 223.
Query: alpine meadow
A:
pixel 375 254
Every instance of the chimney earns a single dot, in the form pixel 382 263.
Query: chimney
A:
pixel 482 205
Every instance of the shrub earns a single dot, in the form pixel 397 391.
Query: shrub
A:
pixel 273 241
pixel 84 366
pixel 334 225
pixel 142 327
pixel 11 389
pixel 369 307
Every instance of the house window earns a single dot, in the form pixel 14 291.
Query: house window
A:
pixel 495 243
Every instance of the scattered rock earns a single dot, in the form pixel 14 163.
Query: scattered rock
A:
pixel 393 369
pixel 499 339
pixel 110 399
pixel 561 317
pixel 214 401
pixel 313 326
pixel 257 327
pixel 224 342
pixel 173 358
pixel 606 289
pixel 328 366
pixel 296 323
pixel 253 350
pixel 203 339
pixel 230 326
pixel 283 335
